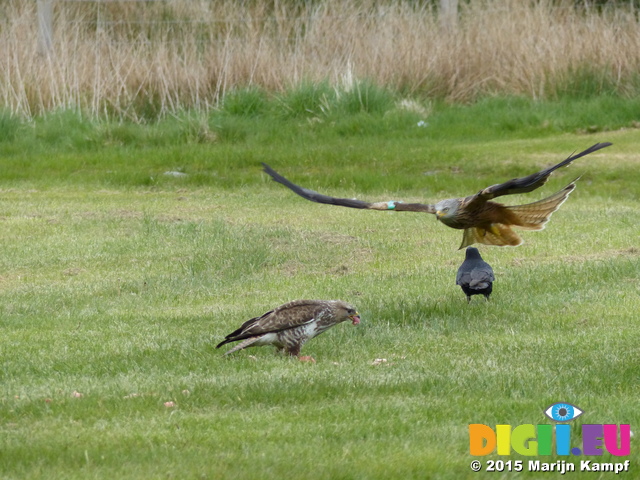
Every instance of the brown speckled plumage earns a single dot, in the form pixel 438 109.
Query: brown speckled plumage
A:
pixel 289 326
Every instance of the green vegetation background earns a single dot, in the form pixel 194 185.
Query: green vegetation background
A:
pixel 117 280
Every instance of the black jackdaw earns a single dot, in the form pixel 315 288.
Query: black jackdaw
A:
pixel 475 276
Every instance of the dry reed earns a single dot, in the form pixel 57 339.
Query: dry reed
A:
pixel 144 59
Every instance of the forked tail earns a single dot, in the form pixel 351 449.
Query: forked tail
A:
pixel 533 216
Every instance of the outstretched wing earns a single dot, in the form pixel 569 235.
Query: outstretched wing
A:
pixel 347 202
pixel 533 181
pixel 284 317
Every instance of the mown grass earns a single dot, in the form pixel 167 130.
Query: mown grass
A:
pixel 117 281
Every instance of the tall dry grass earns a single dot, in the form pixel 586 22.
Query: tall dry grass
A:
pixel 143 59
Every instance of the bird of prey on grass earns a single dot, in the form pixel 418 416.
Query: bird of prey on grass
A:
pixel 475 276
pixel 481 219
pixel 289 326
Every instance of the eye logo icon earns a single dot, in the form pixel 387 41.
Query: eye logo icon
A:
pixel 562 412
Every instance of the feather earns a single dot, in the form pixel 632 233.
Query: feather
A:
pixel 244 344
pixel 482 220
pixel 535 180
pixel 290 325
pixel 475 276
pixel 498 234
pixel 534 216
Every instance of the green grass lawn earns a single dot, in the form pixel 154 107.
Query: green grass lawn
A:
pixel 117 282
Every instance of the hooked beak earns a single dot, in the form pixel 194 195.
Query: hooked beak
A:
pixel 439 215
pixel 355 318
